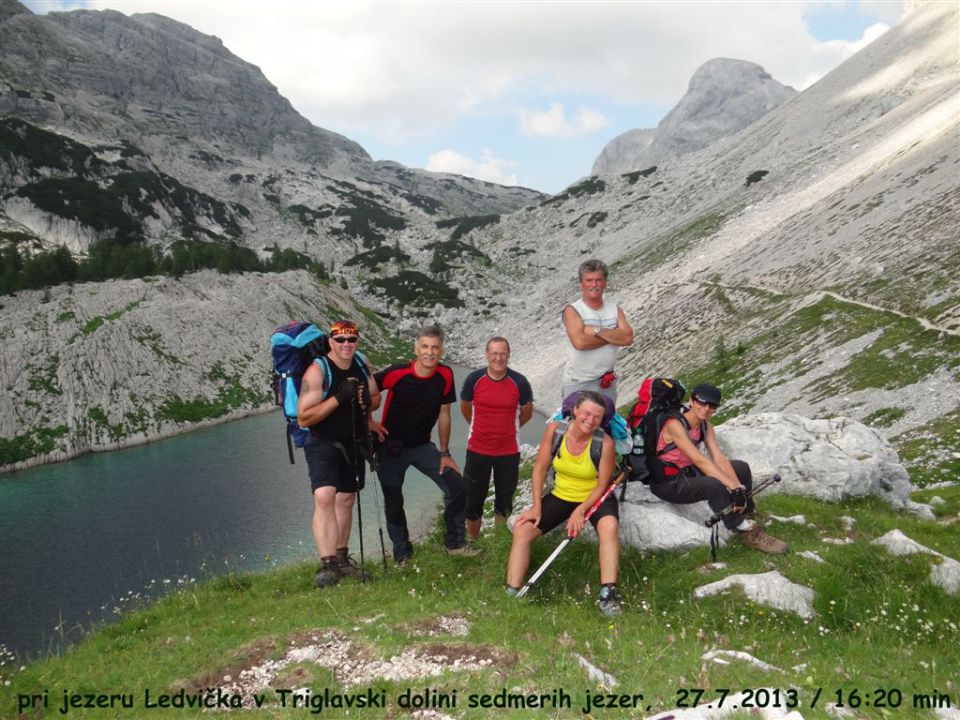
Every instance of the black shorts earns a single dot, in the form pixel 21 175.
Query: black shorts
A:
pixel 476 471
pixel 328 466
pixel 554 511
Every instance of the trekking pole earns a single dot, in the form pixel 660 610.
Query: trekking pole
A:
pixel 375 469
pixel 566 541
pixel 758 488
pixel 353 420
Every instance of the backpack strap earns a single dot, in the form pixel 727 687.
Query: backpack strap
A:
pixel 324 364
pixel 596 442
pixel 672 415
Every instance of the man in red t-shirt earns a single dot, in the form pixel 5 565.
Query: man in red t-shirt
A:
pixel 496 401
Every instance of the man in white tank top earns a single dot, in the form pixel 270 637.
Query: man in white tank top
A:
pixel 596 329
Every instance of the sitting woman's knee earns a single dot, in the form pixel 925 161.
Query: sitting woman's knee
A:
pixel 608 528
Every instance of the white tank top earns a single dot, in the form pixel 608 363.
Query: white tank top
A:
pixel 590 364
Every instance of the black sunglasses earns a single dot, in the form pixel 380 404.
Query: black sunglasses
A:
pixel 712 406
pixel 341 339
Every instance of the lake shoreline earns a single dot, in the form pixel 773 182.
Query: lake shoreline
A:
pixel 145 439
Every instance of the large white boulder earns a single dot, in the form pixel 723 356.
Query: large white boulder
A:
pixel 829 459
pixel 648 523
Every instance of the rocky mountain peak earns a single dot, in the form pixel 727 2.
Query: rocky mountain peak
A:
pixel 151 75
pixel 723 97
pixel 9 8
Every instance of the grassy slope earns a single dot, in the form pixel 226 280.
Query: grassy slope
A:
pixel 880 625
pixel 796 343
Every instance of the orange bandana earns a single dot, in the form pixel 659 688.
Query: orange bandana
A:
pixel 344 327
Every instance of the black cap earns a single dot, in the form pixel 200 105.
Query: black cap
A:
pixel 706 393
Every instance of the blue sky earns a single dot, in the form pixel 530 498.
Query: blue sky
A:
pixel 522 93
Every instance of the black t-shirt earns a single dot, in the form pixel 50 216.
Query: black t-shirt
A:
pixel 346 424
pixel 412 404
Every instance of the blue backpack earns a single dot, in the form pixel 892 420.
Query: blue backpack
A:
pixel 294 347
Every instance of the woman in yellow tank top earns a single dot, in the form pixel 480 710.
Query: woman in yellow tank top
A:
pixel 578 485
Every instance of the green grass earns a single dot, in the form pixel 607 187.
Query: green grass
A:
pixel 670 245
pixel 930 451
pixel 902 353
pixel 880 624
pixel 231 395
pixel 36 441
pixel 96 322
pixel 884 417
pixel 950 508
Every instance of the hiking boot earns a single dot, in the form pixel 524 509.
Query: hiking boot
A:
pixel 511 591
pixel 610 601
pixel 329 573
pixel 464 551
pixel 404 561
pixel 348 568
pixel 757 539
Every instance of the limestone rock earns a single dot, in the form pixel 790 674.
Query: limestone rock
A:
pixel 771 589
pixel 723 657
pixel 724 96
pixel 824 459
pixel 647 523
pixel 100 366
pixel 945 571
pixel 624 153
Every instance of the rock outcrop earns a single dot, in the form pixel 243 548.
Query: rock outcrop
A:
pixel 724 97
pixel 100 366
pixel 770 589
pixel 945 571
pixel 825 459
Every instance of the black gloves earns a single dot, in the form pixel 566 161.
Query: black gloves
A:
pixel 347 392
pixel 739 497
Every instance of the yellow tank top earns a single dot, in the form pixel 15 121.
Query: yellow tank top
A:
pixel 576 476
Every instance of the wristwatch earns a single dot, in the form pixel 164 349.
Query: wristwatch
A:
pixel 444 453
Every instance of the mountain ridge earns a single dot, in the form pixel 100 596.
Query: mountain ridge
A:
pixel 847 190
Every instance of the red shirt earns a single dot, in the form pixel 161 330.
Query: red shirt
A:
pixel 495 421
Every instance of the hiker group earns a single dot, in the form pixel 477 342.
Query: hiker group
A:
pixel 329 393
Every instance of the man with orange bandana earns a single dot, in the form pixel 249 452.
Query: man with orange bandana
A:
pixel 337 395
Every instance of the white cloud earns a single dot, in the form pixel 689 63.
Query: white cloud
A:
pixel 840 50
pixel 554 124
pixel 404 70
pixel 489 167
